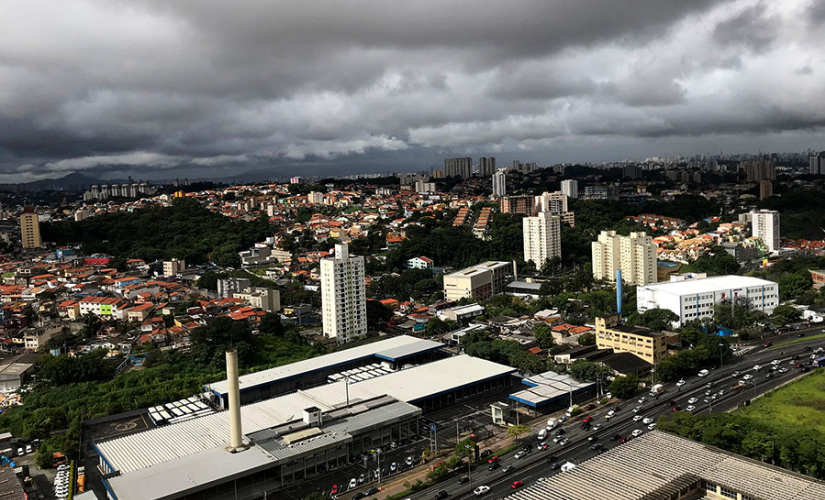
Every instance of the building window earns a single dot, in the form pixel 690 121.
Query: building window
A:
pixel 728 493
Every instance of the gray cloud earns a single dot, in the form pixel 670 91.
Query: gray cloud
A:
pixel 213 86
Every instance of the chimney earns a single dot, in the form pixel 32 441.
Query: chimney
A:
pixel 515 271
pixel 619 291
pixel 236 443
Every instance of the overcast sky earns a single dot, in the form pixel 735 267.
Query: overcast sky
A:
pixel 165 88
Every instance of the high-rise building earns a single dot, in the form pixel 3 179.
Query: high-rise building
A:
pixel 343 295
pixel 500 184
pixel 817 164
pixel 542 238
pixel 759 170
pixel 522 204
pixel 555 203
pixel 173 267
pixel 765 226
pixel 570 187
pixel 634 255
pixel 765 189
pixel 30 229
pixel 486 166
pixel 458 167
pixel 315 198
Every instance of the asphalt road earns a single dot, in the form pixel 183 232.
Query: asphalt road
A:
pixel 535 466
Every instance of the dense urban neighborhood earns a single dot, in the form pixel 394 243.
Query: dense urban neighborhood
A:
pixel 401 336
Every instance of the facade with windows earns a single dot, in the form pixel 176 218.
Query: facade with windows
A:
pixel 343 295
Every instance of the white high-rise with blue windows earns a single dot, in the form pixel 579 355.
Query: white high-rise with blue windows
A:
pixel 343 295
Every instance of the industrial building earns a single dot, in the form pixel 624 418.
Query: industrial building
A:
pixel 668 467
pixel 695 298
pixel 551 391
pixel 393 353
pixel 258 449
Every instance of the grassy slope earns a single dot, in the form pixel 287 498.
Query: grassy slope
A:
pixel 801 403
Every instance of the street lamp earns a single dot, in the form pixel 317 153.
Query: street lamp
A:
pixel 721 351
pixel 469 460
pixel 378 452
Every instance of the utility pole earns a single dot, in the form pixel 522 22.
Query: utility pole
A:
pixel 379 466
pixel 721 360
pixel 469 461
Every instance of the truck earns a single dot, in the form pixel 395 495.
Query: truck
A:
pixel 703 373
pixel 552 423
pixel 657 389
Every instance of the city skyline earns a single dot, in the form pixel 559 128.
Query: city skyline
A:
pixel 204 90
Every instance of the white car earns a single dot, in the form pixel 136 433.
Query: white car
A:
pixel 642 400
pixel 775 362
pixel 747 376
pixel 692 401
pixel 756 368
pixel 519 455
pixel 735 374
pixel 353 483
pixel 636 418
pixel 481 490
pixel 637 433
pixel 652 426
pixel 636 410
pixel 690 408
pixel 647 420
pixel 680 383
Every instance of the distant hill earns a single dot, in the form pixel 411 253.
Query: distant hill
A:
pixel 71 182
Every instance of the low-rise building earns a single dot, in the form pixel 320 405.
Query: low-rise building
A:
pixel 420 262
pixel 478 282
pixel 642 342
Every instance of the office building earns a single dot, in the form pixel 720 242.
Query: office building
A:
pixel 662 466
pixel 570 187
pixel 643 343
pixel 695 299
pixel 500 184
pixel 634 255
pixel 486 166
pixel 478 282
pixel 765 189
pixel 343 295
pixel 817 164
pixel 765 226
pixel 756 171
pixel 458 167
pixel 265 299
pixel 522 204
pixel 542 238
pixel 173 267
pixel 30 229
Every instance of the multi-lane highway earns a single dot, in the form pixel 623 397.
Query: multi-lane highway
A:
pixel 537 464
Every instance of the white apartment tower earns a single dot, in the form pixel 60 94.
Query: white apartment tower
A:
pixel 500 183
pixel 555 203
pixel 765 226
pixel 343 295
pixel 635 255
pixel 542 238
pixel 570 187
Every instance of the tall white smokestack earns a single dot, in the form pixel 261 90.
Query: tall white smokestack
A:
pixel 515 271
pixel 235 435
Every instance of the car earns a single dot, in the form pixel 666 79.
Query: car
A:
pixel 642 400
pixel 493 460
pixel 557 439
pixel 692 401
pixel 361 479
pixel 463 480
pixel 526 448
pixel 775 362
pixel 707 400
pixel 20 452
pixel 680 383
pixel 409 461
pixel 596 447
pixel 359 495
pixel 371 491
pixel 652 426
pixel 708 393
pixel 636 418
pixel 563 441
pixel 769 375
pixel 637 433
pixel 594 437
pixel 560 432
pixel 767 344
pixel 481 490
pixel 709 385
pixel 735 374
pixel 441 495
pixel 625 439
pixel 636 410
pixel 28 448
pixel 647 420
pixel 597 427
pixel 800 335
pixel 774 368
pixel 516 484
pixel 519 455
pixel 493 466
pixel 615 437
pixel 783 370
pixel 554 466
pixel 813 356
pixel 587 419
pixel 543 447
pixel 486 453
pixel 807 348
pixel 393 445
pixel 62 467
pixel 756 368
pixel 747 376
pixel 333 490
pixel 721 392
pixel 61 491
pixel 508 469
pixel 690 408
pixel 393 467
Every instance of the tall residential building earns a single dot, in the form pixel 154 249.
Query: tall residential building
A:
pixel 315 198
pixel 555 203
pixel 759 170
pixel 634 255
pixel 173 267
pixel 765 189
pixel 570 187
pixel 500 184
pixel 486 166
pixel 542 238
pixel 817 164
pixel 458 167
pixel 343 295
pixel 765 226
pixel 522 204
pixel 30 229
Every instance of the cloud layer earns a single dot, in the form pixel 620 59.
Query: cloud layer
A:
pixel 155 88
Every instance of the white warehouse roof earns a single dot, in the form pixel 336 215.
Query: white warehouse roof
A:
pixel 390 349
pixel 705 285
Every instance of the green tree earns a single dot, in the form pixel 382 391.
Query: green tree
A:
pixel 271 324
pixel 514 431
pixel 625 387
pixel 794 285
pixel 587 338
pixel 784 315
pixel 544 335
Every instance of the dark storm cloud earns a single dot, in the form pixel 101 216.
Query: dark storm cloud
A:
pixel 214 86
